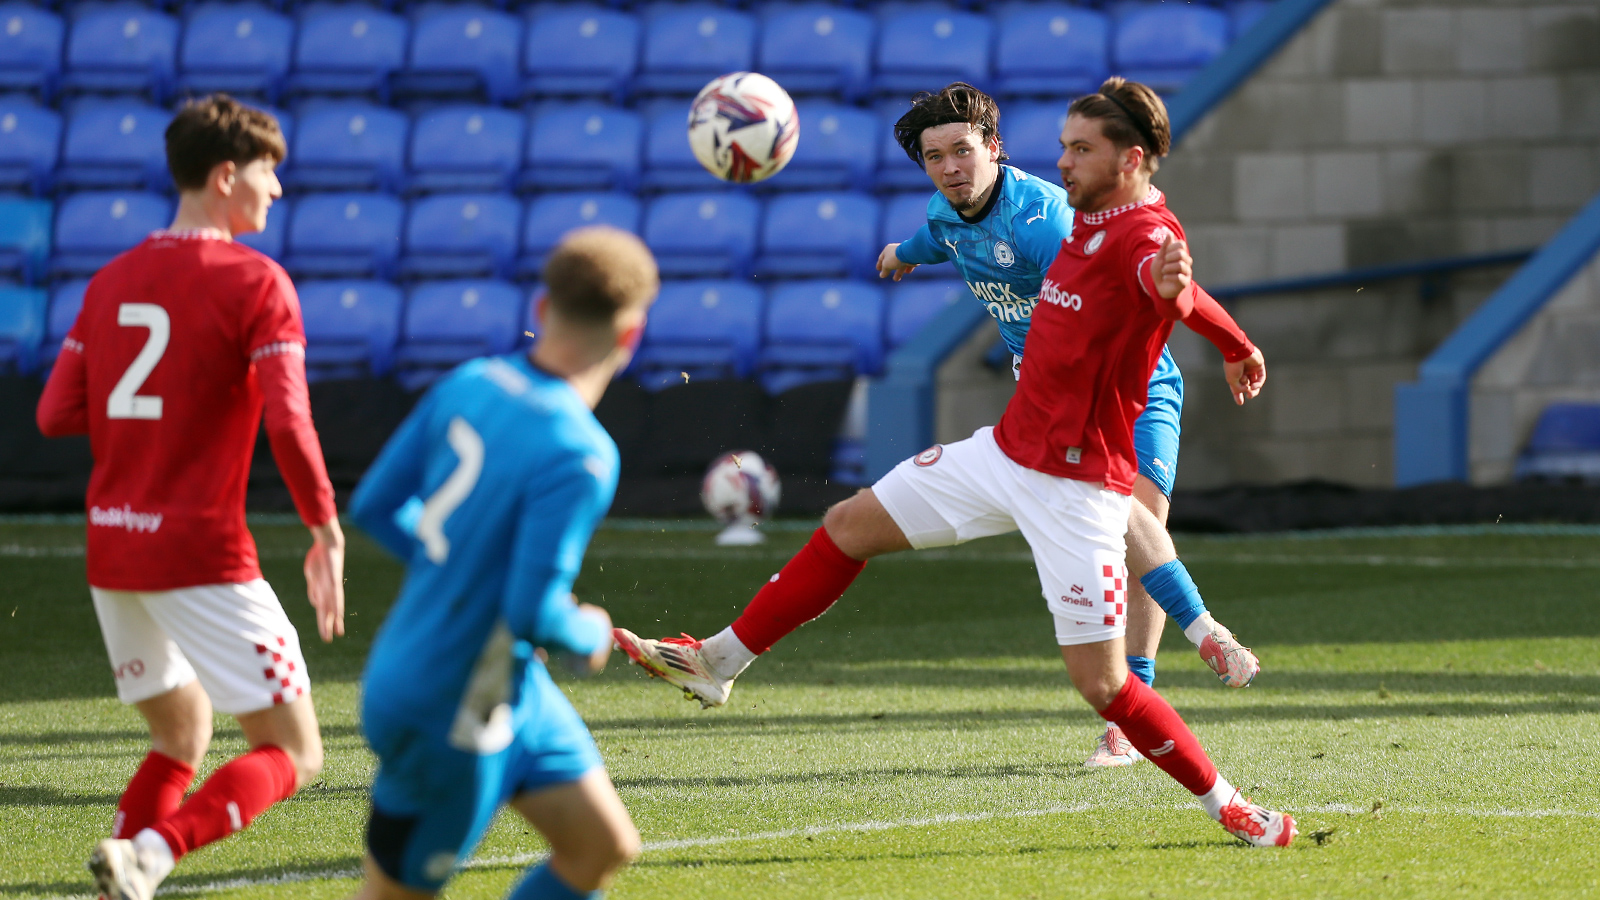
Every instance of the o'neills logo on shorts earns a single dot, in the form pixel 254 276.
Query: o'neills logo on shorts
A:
pixel 125 517
pixel 929 456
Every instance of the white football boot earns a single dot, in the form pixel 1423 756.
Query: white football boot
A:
pixel 1232 661
pixel 1256 826
pixel 1113 751
pixel 119 873
pixel 679 662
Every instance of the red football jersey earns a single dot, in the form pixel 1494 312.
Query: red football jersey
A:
pixel 1095 338
pixel 169 334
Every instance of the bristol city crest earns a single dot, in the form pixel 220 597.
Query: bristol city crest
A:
pixel 1095 240
pixel 929 456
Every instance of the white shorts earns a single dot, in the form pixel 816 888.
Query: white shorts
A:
pixel 234 637
pixel 953 493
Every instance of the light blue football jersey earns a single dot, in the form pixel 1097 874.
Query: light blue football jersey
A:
pixel 489 492
pixel 1004 256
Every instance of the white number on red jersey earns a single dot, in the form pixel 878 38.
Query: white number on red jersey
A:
pixel 124 401
pixel 430 527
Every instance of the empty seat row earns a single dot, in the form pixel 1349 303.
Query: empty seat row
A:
pixel 802 234
pixel 788 335
pixel 342 145
pixel 563 50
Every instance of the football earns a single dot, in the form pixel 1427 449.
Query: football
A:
pixel 740 489
pixel 743 127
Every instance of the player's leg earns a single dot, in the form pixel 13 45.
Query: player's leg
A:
pixel 247 658
pixel 926 501
pixel 590 834
pixel 154 677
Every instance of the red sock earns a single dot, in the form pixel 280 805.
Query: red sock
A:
pixel 805 588
pixel 154 793
pixel 230 798
pixel 1157 731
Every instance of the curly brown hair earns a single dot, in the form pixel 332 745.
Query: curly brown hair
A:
pixel 959 102
pixel 218 129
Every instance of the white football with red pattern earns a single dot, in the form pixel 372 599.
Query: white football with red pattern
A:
pixel 740 486
pixel 743 127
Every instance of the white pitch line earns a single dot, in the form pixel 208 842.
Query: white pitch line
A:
pixel 523 859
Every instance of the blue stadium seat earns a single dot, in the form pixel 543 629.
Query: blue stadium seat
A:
pixel 345 234
pixel 579 50
pixel 705 329
pixel 352 327
pixel 347 49
pixel 553 215
pixel 30 48
pixel 22 326
pixel 903 214
pixel 923 49
pixel 1050 49
pixel 817 48
pixel 913 304
pixel 447 322
pixel 709 233
pixel 115 142
pixel 821 330
pixel 30 142
pixel 121 47
pixel 1565 444
pixel 24 238
pixel 583 145
pixel 687 45
pixel 896 171
pixel 819 233
pixel 839 149
pixel 1032 134
pixel 241 48
pixel 461 235
pixel 340 145
pixel 94 226
pixel 66 300
pixel 669 164
pixel 270 240
pixel 1163 45
pixel 1244 14
pixel 462 50
pixel 466 148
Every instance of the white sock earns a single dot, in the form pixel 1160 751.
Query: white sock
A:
pixel 155 857
pixel 1218 797
pixel 1199 628
pixel 727 654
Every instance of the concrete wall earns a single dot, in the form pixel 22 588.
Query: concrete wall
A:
pixel 1385 132
pixel 1554 357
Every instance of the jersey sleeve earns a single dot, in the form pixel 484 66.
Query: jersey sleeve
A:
pixel 553 531
pixel 393 480
pixel 275 322
pixel 287 403
pixel 64 405
pixel 1039 229
pixel 1193 307
pixel 921 250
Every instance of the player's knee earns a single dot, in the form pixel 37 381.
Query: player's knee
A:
pixel 625 847
pixel 857 527
pixel 187 745
pixel 307 762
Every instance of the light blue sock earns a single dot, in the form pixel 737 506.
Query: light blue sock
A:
pixel 1143 668
pixel 542 884
pixel 1174 591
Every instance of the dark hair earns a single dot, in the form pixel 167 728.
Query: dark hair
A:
pixel 218 129
pixel 958 103
pixel 1130 115
pixel 597 272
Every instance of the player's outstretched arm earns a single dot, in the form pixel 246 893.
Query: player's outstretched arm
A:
pixel 393 480
pixel 64 406
pixel 890 265
pixel 324 570
pixel 1170 281
pixel 1246 377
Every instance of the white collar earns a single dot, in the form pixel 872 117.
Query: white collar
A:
pixel 1105 215
pixel 192 234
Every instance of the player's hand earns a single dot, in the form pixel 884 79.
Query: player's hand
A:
pixel 1246 377
pixel 1173 268
pixel 890 264
pixel 597 660
pixel 325 578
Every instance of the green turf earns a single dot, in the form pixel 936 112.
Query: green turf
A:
pixel 921 740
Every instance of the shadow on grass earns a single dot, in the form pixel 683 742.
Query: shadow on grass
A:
pixel 856 776
pixel 307 870
pixel 38 795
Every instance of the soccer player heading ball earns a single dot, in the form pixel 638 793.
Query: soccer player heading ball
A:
pixel 180 344
pixel 1062 463
pixel 489 492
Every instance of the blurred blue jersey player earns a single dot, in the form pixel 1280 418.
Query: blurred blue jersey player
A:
pixel 489 492
pixel 1001 228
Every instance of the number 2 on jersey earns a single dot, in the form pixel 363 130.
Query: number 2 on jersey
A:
pixel 124 401
pixel 436 509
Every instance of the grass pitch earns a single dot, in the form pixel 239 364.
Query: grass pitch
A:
pixel 1427 708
